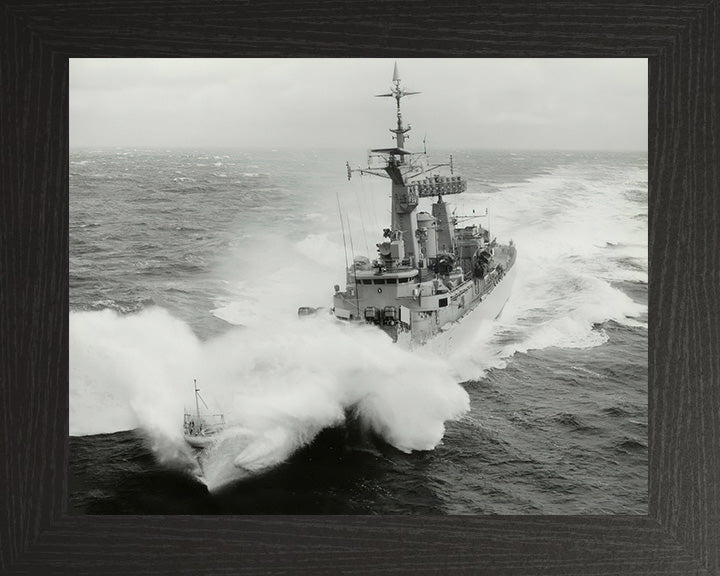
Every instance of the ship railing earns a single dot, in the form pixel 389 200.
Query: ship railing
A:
pixel 486 284
pixel 460 290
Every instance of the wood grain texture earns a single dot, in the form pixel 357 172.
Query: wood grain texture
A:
pixel 680 535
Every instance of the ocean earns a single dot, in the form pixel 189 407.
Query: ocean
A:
pixel 190 265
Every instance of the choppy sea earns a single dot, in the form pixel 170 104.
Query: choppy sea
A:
pixel 191 264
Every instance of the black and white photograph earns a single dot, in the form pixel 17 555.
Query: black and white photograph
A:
pixel 358 286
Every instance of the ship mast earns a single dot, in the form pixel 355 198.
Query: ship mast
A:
pixel 397 92
pixel 407 188
pixel 404 201
pixel 197 406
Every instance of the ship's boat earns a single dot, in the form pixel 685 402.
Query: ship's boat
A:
pixel 201 428
pixel 431 270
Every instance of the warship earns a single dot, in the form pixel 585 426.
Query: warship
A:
pixel 430 271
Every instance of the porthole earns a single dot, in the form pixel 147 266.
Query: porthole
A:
pixel 379 290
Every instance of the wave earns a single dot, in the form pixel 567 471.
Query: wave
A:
pixel 279 386
pixel 573 422
pixel 630 445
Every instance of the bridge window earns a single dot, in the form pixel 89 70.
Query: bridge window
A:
pixel 442 302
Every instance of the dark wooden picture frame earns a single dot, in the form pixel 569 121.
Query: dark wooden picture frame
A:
pixel 680 534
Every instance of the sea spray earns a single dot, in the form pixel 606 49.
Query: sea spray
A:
pixel 278 385
pixel 121 366
pixel 288 275
pixel 296 379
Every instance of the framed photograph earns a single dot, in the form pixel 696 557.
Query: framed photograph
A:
pixel 242 416
pixel 474 288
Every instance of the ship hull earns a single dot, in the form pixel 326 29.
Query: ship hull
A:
pixel 424 325
pixel 199 441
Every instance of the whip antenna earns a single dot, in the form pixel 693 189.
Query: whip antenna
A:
pixel 342 226
pixel 357 297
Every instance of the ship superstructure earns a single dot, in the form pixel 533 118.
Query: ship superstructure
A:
pixel 429 271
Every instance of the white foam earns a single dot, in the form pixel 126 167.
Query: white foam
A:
pixel 278 385
pixel 289 275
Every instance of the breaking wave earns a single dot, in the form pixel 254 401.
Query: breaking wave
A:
pixel 277 385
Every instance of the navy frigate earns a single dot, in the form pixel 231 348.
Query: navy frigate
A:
pixel 430 271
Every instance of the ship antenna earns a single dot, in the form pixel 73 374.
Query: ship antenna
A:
pixel 337 196
pixel 357 297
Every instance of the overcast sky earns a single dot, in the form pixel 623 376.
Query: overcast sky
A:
pixel 595 104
